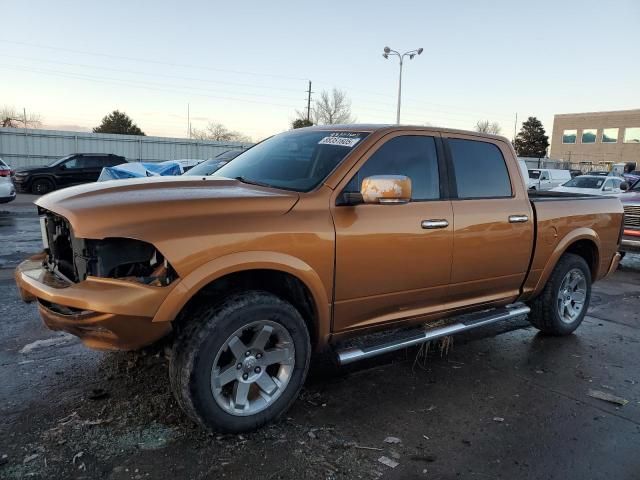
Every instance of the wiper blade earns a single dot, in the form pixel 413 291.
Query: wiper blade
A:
pixel 253 182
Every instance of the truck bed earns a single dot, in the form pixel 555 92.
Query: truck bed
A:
pixel 559 215
pixel 547 195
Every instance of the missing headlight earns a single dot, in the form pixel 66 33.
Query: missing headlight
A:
pixel 124 259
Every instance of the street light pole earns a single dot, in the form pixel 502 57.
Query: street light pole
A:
pixel 410 54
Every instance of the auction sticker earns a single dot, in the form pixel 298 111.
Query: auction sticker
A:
pixel 341 139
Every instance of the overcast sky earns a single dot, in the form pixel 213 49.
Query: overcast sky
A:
pixel 246 64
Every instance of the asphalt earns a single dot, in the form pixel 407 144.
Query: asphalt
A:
pixel 503 402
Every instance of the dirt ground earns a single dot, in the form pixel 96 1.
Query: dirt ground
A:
pixel 505 402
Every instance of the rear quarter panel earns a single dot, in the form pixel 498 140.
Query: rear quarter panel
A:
pixel 562 222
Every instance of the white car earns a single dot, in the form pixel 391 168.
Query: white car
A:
pixel 592 185
pixel 547 178
pixel 7 189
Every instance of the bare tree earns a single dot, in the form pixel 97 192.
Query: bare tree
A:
pixel 218 132
pixel 11 118
pixel 484 126
pixel 332 107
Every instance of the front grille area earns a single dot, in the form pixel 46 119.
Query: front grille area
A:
pixel 60 240
pixel 632 216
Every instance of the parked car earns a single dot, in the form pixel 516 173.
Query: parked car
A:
pixel 631 204
pixel 599 173
pixel 140 170
pixel 592 185
pixel 5 170
pixel 186 164
pixel 7 189
pixel 547 178
pixel 316 239
pixel 67 171
pixel 208 167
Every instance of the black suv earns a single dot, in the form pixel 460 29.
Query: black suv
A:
pixel 64 172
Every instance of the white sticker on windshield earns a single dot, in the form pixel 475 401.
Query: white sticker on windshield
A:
pixel 339 141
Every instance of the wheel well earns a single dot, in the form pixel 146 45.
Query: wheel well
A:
pixel 47 178
pixel 587 250
pixel 282 284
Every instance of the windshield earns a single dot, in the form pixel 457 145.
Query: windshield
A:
pixel 534 174
pixel 635 187
pixel 294 160
pixel 585 182
pixel 58 161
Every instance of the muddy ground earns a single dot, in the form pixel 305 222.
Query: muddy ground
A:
pixel 506 402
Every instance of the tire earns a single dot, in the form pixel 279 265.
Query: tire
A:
pixel 556 315
pixel 42 186
pixel 222 336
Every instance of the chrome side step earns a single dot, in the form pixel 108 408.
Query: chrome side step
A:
pixel 463 323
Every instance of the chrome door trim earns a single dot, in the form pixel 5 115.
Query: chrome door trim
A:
pixel 518 218
pixel 433 224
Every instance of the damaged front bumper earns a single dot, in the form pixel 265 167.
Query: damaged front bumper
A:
pixel 105 313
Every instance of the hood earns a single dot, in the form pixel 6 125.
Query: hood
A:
pixel 125 207
pixel 33 169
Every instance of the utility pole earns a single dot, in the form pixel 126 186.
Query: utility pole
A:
pixel 410 54
pixel 309 92
pixel 515 126
pixel 188 121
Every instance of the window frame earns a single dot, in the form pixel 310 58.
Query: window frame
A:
pixel 443 173
pixel 569 130
pixel 453 187
pixel 617 129
pixel 595 136
pixel 624 137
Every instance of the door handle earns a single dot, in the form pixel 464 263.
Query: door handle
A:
pixel 432 224
pixel 518 218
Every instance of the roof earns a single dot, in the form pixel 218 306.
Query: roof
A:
pixel 374 127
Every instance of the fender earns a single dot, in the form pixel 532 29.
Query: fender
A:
pixel 582 233
pixel 243 261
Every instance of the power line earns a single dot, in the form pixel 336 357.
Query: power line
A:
pixel 156 62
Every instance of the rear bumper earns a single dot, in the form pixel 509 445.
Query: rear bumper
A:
pixel 106 314
pixel 630 241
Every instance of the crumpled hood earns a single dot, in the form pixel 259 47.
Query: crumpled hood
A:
pixel 129 208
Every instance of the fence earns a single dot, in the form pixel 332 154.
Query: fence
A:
pixel 584 167
pixel 21 147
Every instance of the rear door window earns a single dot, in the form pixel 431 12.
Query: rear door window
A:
pixel 480 169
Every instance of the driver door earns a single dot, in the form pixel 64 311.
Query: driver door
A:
pixel 391 263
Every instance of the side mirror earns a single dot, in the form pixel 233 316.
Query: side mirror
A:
pixel 607 189
pixel 62 167
pixel 386 189
pixel 624 186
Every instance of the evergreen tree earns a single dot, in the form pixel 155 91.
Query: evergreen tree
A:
pixel 118 122
pixel 531 141
pixel 301 123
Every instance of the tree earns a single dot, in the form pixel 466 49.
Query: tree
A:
pixel 531 141
pixel 332 108
pixel 301 123
pixel 118 122
pixel 218 132
pixel 484 126
pixel 11 118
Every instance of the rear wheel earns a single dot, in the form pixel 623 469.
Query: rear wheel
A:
pixel 241 363
pixel 42 186
pixel 564 301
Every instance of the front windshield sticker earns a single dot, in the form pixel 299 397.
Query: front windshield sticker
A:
pixel 341 139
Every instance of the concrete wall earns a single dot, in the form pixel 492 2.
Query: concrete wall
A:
pixel 21 147
pixel 598 152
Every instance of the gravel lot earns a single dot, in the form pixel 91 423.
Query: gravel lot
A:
pixel 505 402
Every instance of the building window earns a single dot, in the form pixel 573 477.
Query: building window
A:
pixel 610 135
pixel 589 135
pixel 632 135
pixel 569 136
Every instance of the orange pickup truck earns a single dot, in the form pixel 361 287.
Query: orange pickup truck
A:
pixel 357 240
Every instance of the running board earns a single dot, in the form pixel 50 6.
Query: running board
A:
pixel 463 323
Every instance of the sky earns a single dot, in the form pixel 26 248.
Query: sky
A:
pixel 247 64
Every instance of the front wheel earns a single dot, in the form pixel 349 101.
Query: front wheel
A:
pixel 42 186
pixel 240 364
pixel 564 301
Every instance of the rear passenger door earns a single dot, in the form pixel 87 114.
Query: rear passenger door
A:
pixel 493 224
